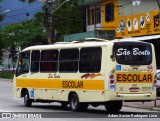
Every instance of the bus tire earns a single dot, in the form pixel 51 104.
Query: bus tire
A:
pixel 113 106
pixel 74 102
pixel 27 100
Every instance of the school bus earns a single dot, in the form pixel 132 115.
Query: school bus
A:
pixel 98 72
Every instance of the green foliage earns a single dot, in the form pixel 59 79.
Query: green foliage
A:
pixel 2 43
pixel 31 32
pixel 67 20
pixel 25 34
pixel 1 17
pixel 6 74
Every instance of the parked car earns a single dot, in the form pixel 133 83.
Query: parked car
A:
pixel 10 70
pixel 158 82
pixel 1 68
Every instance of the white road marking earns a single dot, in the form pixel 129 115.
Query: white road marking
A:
pixel 4 111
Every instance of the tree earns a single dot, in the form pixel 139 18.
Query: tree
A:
pixel 67 20
pixel 31 32
pixel 1 47
pixel 1 15
pixel 64 18
pixel 1 42
pixel 25 34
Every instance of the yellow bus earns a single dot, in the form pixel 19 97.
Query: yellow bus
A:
pixel 98 72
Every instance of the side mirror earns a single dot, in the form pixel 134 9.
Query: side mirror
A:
pixel 113 57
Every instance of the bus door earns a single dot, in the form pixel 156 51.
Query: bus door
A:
pixel 134 72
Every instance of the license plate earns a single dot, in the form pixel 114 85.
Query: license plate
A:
pixel 134 89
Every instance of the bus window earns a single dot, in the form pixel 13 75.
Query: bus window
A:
pixel 90 60
pixel 23 63
pixel 133 54
pixel 49 60
pixel 35 56
pixel 68 61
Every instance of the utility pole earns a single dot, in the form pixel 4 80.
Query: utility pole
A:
pixel 83 16
pixel 49 20
pixel 50 30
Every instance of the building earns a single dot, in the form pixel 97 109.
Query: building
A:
pixel 111 19
pixel 9 61
pixel 93 11
pixel 137 18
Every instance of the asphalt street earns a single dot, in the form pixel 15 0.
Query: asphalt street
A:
pixel 10 105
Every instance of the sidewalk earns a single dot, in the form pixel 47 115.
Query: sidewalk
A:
pixel 153 105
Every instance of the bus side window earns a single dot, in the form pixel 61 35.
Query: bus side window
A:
pixel 90 60
pixel 49 61
pixel 35 56
pixel 68 61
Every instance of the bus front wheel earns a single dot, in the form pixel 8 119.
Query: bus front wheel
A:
pixel 27 100
pixel 113 106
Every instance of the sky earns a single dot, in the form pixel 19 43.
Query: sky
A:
pixel 18 10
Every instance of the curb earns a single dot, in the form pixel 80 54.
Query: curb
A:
pixel 148 108
pixel 3 79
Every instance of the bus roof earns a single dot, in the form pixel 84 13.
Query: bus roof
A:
pixel 90 42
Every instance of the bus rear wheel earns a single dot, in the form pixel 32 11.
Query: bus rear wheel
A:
pixel 75 105
pixel 113 106
pixel 27 100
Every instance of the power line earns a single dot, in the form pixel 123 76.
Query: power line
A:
pixel 24 6
pixel 26 12
pixel 78 13
pixel 14 18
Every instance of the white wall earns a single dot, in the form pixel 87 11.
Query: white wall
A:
pixel 129 7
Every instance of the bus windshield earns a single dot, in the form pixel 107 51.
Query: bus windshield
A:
pixel 133 54
pixel 23 63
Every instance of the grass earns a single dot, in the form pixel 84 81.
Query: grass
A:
pixel 6 74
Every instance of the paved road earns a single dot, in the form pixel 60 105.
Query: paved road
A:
pixel 9 104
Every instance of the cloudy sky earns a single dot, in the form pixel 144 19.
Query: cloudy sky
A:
pixel 18 11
